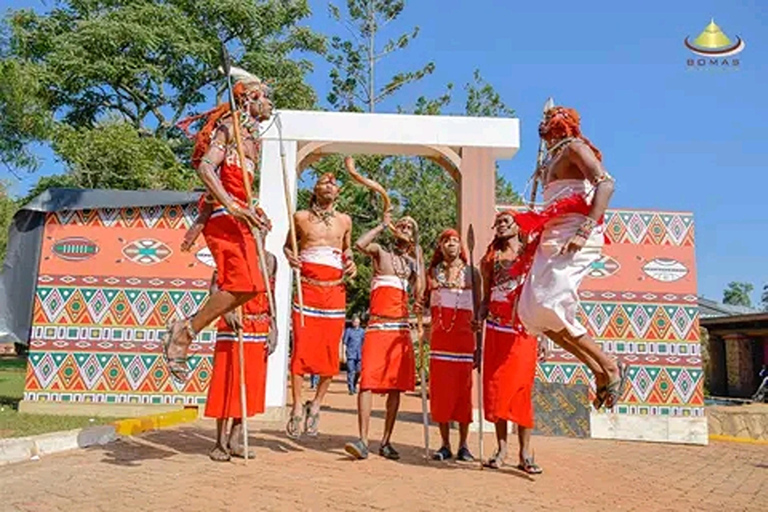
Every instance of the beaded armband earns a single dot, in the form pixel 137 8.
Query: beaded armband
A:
pixel 605 177
pixel 218 145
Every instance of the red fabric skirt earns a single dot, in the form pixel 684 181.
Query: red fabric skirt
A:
pixel 388 361
pixel 509 368
pixel 234 250
pixel 224 390
pixel 450 367
pixel 316 345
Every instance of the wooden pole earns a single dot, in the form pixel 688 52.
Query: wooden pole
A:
pixel 420 290
pixel 478 338
pixel 249 198
pixel 291 222
pixel 539 159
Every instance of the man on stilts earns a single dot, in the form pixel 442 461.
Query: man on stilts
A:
pixel 228 232
pixel 388 361
pixel 569 235
pixel 452 342
pixel 325 257
pixel 509 353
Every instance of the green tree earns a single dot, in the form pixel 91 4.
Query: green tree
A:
pixel 764 298
pixel 91 75
pixel 737 294
pixel 7 210
pixel 24 116
pixel 353 75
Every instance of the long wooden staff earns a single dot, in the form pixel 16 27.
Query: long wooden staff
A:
pixel 539 159
pixel 420 290
pixel 478 336
pixel 291 222
pixel 259 245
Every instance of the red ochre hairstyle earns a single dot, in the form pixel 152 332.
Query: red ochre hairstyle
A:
pixel 564 122
pixel 212 117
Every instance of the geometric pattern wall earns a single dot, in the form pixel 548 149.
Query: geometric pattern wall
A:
pixel 639 301
pixel 109 281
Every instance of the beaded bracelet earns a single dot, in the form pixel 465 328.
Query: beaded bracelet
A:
pixel 586 228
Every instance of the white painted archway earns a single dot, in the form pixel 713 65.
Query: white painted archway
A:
pixel 467 147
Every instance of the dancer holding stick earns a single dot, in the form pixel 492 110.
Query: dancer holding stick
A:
pixel 225 160
pixel 324 237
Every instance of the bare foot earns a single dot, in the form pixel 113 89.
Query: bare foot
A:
pixel 219 454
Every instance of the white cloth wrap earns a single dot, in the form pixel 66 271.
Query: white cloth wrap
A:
pixel 549 299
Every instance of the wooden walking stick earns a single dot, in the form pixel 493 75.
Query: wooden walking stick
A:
pixel 478 337
pixel 259 246
pixel 420 290
pixel 539 159
pixel 291 222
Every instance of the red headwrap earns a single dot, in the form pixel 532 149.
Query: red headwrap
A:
pixel 437 258
pixel 212 117
pixel 563 122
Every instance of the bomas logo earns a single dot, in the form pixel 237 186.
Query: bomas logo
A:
pixel 714 49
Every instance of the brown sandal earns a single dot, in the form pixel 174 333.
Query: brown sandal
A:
pixel 530 467
pixel 177 366
pixel 219 454
pixel 495 462
pixel 615 389
pixel 293 427
pixel 312 421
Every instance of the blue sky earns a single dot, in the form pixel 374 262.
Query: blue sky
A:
pixel 674 138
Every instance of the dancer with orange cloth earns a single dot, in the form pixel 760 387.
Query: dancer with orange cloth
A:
pixel 325 257
pixel 388 361
pixel 509 353
pixel 452 342
pixel 228 221
pixel 260 341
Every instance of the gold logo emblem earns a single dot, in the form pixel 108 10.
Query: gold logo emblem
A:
pixel 713 42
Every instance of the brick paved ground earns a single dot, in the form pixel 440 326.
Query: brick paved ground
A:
pixel 170 470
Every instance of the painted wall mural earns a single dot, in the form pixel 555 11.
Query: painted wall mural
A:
pixel 110 279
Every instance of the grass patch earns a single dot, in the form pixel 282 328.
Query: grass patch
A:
pixel 13 363
pixel 16 424
pixel 11 388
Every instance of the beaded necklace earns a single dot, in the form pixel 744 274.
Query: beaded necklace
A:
pixel 324 215
pixel 441 275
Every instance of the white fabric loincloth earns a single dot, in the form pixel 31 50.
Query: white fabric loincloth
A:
pixel 549 299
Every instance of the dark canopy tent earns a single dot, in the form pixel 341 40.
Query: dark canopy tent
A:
pixel 18 279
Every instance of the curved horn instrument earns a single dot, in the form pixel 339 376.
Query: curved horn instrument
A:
pixel 349 163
